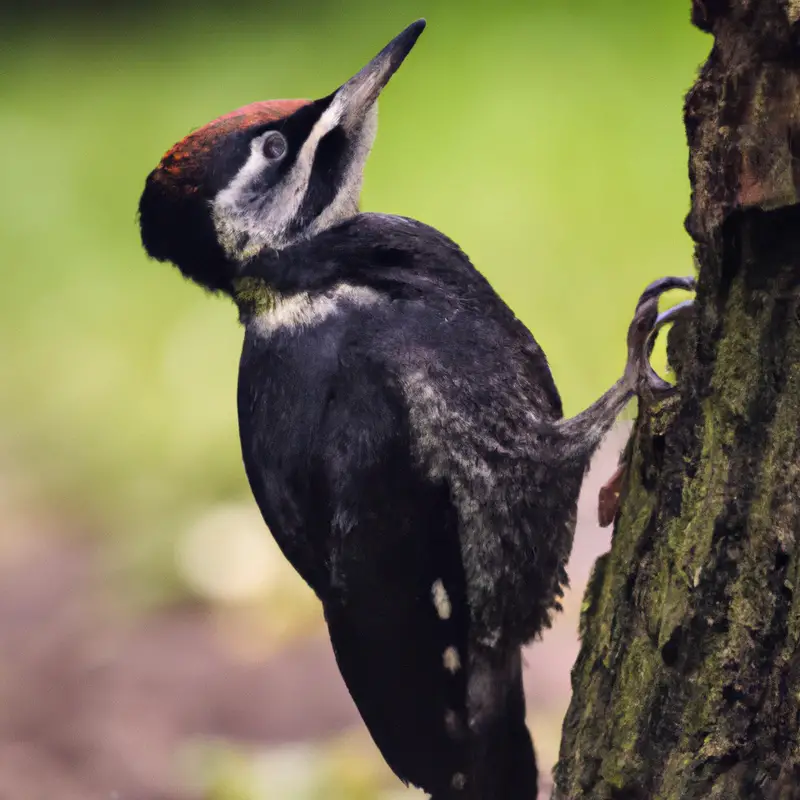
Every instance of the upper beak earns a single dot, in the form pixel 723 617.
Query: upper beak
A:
pixel 357 96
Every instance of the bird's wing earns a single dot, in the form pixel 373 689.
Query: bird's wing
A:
pixel 378 541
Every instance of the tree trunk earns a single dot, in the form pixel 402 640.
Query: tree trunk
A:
pixel 688 680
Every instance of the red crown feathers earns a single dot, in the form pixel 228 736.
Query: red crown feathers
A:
pixel 183 165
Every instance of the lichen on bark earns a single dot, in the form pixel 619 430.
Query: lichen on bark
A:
pixel 687 684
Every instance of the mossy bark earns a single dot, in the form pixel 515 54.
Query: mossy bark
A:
pixel 688 680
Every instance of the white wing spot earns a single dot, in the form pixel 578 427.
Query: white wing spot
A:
pixel 441 600
pixel 459 781
pixel 452 662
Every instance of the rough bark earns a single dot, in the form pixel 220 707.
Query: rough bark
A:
pixel 688 680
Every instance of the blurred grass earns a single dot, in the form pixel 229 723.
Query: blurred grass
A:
pixel 546 138
pixel 344 767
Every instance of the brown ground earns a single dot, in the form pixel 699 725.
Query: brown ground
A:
pixel 95 709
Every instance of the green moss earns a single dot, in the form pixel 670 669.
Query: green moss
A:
pixel 637 680
pixel 704 703
pixel 676 771
pixel 593 593
pixel 737 365
pixel 793 638
pixel 772 519
pixel 637 511
pixel 662 414
pixel 690 535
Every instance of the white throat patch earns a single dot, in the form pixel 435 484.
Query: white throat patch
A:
pixel 303 310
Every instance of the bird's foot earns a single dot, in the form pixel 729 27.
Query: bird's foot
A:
pixel 645 381
pixel 640 375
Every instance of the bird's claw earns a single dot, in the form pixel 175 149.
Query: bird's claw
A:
pixel 643 379
pixel 657 288
pixel 646 382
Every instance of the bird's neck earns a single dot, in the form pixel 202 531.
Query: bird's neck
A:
pixel 253 297
pixel 311 263
pixel 372 252
pixel 273 277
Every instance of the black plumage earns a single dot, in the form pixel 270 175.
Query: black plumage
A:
pixel 400 428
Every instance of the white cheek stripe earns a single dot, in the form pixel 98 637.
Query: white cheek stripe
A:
pixel 345 204
pixel 303 310
pixel 237 212
pixel 293 189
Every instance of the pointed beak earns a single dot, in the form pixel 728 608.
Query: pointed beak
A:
pixel 358 95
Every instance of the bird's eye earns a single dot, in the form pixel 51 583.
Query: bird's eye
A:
pixel 274 146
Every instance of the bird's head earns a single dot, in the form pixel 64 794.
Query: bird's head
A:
pixel 265 175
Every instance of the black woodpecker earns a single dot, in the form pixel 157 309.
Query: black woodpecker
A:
pixel 400 428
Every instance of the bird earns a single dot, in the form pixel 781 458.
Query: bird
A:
pixel 400 427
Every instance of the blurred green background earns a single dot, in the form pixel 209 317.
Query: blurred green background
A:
pixel 545 137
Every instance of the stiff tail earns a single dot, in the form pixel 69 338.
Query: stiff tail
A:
pixel 501 751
